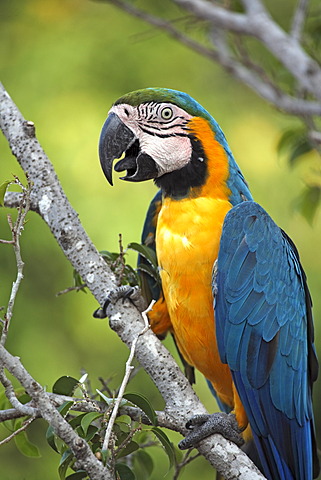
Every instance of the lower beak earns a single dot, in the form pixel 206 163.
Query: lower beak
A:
pixel 115 139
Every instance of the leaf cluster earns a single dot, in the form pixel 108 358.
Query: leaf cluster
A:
pixel 128 454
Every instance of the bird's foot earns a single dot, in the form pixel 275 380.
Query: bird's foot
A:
pixel 203 426
pixel 125 292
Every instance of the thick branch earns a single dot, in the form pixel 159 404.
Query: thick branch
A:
pixel 266 90
pixel 181 401
pixel 259 24
pixel 13 200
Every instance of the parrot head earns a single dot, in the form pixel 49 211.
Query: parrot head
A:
pixel 160 134
pixel 167 136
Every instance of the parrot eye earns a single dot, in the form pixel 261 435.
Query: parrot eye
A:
pixel 167 113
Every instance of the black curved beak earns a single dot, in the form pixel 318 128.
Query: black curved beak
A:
pixel 115 139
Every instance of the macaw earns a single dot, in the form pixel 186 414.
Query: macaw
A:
pixel 234 294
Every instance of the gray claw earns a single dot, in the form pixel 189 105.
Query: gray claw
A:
pixel 125 291
pixel 203 426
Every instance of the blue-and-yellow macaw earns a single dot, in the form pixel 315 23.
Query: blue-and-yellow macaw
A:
pixel 255 345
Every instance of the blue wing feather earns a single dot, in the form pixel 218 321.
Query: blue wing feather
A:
pixel 264 331
pixel 150 287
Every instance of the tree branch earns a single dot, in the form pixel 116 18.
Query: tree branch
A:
pixel 13 200
pixel 299 20
pixel 222 20
pixel 16 229
pixel 259 24
pixel 181 401
pixel 123 385
pixel 16 432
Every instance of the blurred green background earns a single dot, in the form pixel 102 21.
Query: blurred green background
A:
pixel 64 62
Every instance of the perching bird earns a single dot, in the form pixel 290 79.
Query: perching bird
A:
pixel 234 293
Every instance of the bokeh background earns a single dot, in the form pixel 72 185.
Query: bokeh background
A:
pixel 64 62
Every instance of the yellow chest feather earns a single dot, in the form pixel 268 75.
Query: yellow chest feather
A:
pixel 187 243
pixel 187 239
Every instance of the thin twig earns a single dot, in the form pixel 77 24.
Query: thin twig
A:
pixel 16 230
pixel 121 259
pixel 128 438
pixel 8 242
pixel 11 396
pixel 71 289
pixel 24 426
pixel 128 370
pixel 186 460
pixel 105 386
pixel 299 20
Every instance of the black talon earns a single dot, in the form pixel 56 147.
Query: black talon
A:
pixel 196 420
pixel 202 426
pixel 124 292
pixel 101 311
pixel 128 293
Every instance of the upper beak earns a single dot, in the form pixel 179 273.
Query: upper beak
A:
pixel 115 139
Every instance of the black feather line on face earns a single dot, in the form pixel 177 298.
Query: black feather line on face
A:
pixel 158 133
pixel 178 184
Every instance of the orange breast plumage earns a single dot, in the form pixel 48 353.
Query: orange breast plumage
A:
pixel 187 243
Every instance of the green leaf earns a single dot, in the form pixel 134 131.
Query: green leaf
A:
pixel 77 475
pixel 123 427
pixel 106 399
pixel 308 202
pixel 294 143
pixel 151 271
pixel 65 461
pixel 78 282
pixel 143 403
pixel 130 276
pixel 287 139
pixel 76 421
pixel 23 398
pixel 4 402
pixel 130 448
pixel 23 443
pixel 88 419
pixel 299 149
pixel 3 189
pixel 125 472
pixel 65 385
pixel 51 439
pixel 145 463
pixel 64 408
pixel 91 432
pixel 124 419
pixel 109 256
pixel 147 252
pixel 168 446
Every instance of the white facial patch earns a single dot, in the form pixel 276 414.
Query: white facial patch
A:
pixel 165 140
pixel 170 153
